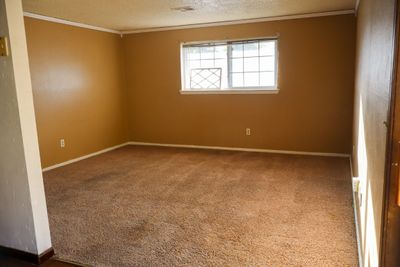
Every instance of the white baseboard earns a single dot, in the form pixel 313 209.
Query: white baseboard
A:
pixel 245 149
pixel 356 222
pixel 198 147
pixel 358 236
pixel 83 157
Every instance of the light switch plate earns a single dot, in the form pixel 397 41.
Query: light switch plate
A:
pixel 3 46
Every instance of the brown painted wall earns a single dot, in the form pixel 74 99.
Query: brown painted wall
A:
pixel 77 78
pixel 80 91
pixel 312 112
pixel 375 39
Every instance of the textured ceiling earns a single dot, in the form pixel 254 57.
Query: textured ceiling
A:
pixel 126 15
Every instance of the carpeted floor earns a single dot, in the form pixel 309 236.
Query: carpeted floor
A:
pixel 152 206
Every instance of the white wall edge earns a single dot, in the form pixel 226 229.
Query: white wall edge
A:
pixel 245 149
pixel 67 22
pixel 83 157
pixel 27 223
pixel 243 21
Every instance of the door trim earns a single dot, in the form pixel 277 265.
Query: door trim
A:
pixel 392 146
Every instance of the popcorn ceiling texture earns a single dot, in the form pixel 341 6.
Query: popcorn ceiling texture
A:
pixel 150 206
pixel 134 15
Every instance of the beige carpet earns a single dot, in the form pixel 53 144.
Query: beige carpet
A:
pixel 149 206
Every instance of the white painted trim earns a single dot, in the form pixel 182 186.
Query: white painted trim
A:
pixel 83 157
pixel 357 6
pixel 26 226
pixel 67 22
pixel 357 225
pixel 190 26
pixel 244 149
pixel 230 92
pixel 197 147
pixel 243 21
pixel 255 38
pixel 358 236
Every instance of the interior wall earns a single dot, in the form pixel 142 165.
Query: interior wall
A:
pixel 375 48
pixel 312 112
pixel 23 215
pixel 78 86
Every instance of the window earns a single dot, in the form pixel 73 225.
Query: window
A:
pixel 246 65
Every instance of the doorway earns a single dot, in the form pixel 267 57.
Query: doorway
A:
pixel 391 220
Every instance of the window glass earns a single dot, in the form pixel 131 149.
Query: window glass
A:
pixel 231 65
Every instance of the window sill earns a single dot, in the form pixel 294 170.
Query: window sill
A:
pixel 230 91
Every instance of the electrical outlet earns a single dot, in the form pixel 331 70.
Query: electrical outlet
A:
pixel 356 184
pixel 62 143
pixel 3 47
pixel 248 131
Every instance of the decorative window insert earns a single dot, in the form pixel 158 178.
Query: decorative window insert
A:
pixel 205 78
pixel 232 65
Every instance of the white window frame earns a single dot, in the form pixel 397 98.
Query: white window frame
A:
pixel 234 90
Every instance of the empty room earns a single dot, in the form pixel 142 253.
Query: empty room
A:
pixel 199 133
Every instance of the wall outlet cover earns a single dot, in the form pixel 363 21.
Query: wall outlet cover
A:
pixel 248 131
pixel 3 46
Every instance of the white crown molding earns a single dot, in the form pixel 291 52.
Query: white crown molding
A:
pixel 243 21
pixel 67 22
pixel 357 6
pixel 191 26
